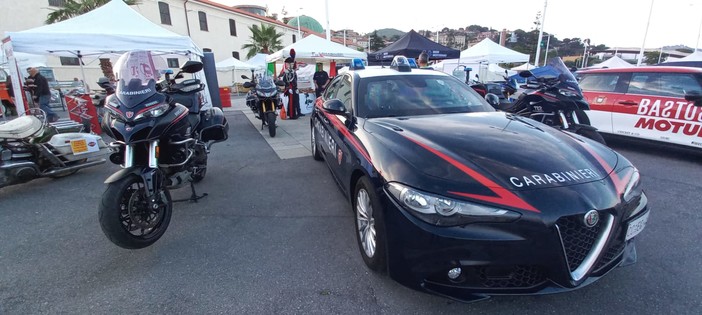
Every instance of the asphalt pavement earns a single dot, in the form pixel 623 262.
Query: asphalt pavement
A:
pixel 275 236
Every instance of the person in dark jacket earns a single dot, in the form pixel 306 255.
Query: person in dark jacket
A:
pixel 40 90
pixel 320 78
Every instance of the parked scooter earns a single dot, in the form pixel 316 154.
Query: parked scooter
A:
pixel 163 139
pixel 30 148
pixel 264 98
pixel 555 100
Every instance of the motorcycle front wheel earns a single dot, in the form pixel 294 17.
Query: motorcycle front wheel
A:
pixel 270 120
pixel 126 217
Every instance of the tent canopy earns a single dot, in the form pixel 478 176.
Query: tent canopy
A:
pixel 316 48
pixel 111 28
pixel 612 63
pixel 526 66
pixel 232 63
pixel 411 45
pixel 488 51
pixel 259 60
pixel 692 60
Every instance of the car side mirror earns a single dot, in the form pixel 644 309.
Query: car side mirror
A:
pixel 694 96
pixel 492 99
pixel 335 107
pixel 192 66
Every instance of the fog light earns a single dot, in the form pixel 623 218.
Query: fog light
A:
pixel 454 273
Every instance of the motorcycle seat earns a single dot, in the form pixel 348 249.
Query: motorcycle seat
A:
pixel 21 127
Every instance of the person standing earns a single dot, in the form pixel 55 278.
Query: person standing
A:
pixel 320 78
pixel 423 60
pixel 40 89
pixel 290 79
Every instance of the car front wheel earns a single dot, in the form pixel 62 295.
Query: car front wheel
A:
pixel 370 225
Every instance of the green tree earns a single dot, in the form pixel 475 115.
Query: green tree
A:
pixel 651 57
pixel 376 43
pixel 73 8
pixel 264 39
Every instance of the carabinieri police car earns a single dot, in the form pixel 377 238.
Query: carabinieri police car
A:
pixel 454 198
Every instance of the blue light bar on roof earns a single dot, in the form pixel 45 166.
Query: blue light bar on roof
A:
pixel 357 64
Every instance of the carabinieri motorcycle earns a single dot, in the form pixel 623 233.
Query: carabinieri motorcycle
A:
pixel 264 99
pixel 162 137
pixel 555 100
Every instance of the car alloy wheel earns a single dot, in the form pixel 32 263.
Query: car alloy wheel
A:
pixel 365 223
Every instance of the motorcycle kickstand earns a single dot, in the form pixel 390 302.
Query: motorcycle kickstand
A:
pixel 193 197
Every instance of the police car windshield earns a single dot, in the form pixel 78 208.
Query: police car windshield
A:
pixel 409 95
pixel 137 73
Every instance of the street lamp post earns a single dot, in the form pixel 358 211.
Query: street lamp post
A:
pixel 641 52
pixel 299 34
pixel 541 33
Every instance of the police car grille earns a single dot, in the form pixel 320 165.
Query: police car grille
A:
pixel 521 276
pixel 614 250
pixel 577 239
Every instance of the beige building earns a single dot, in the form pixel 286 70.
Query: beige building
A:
pixel 214 27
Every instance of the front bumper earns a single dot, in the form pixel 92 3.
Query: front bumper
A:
pixel 524 257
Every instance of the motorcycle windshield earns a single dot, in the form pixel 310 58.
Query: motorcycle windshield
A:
pixel 567 79
pixel 136 73
pixel 266 82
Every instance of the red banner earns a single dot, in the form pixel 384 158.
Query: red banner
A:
pixel 80 108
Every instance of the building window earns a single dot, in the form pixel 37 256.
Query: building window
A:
pixel 173 62
pixel 232 27
pixel 165 13
pixel 235 54
pixel 203 20
pixel 70 61
pixel 294 39
pixel 57 3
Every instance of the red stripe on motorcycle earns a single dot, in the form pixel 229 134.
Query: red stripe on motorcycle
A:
pixel 504 196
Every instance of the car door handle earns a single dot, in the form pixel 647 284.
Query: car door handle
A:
pixel 628 103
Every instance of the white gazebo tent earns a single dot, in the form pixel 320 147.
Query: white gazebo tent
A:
pixel 111 29
pixel 487 51
pixel 316 49
pixel 612 63
pixel 480 57
pixel 234 66
pixel 526 66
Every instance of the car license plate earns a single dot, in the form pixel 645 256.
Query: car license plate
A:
pixel 635 227
pixel 79 146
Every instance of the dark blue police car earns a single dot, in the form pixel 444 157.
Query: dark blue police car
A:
pixel 454 198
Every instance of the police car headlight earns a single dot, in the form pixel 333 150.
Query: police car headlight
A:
pixel 567 93
pixel 632 187
pixel 153 112
pixel 444 211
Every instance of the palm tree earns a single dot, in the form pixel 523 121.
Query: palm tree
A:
pixel 74 8
pixel 264 39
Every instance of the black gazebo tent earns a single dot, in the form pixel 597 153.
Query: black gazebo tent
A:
pixel 410 46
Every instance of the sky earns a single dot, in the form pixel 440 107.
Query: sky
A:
pixel 614 23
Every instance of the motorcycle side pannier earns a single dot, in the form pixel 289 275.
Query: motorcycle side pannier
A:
pixel 214 125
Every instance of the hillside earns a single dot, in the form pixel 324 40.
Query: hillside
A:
pixel 389 33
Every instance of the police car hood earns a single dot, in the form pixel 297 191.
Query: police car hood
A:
pixel 493 149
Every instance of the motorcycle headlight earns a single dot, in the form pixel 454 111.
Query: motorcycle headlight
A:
pixel 153 112
pixel 112 106
pixel 444 211
pixel 567 93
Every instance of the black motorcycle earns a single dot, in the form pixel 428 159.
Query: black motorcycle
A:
pixel 264 99
pixel 162 141
pixel 554 99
